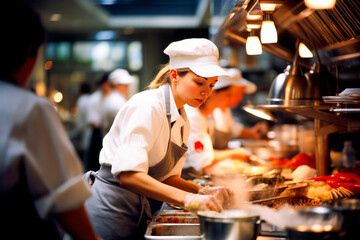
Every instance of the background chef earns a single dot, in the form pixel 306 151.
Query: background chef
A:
pixel 226 127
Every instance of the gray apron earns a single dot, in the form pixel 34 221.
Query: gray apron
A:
pixel 119 213
pixel 221 139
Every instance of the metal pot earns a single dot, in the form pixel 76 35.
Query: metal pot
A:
pixel 329 231
pixel 229 225
pixel 350 210
pixel 299 233
pixel 232 225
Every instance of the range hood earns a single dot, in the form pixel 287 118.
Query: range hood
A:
pixel 334 33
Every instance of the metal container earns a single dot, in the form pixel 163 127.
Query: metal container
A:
pixel 173 231
pixel 350 210
pixel 229 225
pixel 271 148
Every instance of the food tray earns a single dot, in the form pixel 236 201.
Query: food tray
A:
pixel 171 231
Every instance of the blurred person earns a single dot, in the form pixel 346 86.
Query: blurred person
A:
pixel 42 192
pixel 80 135
pixel 202 155
pixel 120 80
pixel 144 151
pixel 95 119
pixel 226 127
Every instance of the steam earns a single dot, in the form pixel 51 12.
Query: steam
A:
pixel 288 216
pixel 237 183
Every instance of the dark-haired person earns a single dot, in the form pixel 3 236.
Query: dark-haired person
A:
pixel 42 191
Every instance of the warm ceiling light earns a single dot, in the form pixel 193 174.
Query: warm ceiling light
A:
pixel 55 17
pixel 268 33
pixel 253 25
pixel 267 7
pixel 259 113
pixel 253 17
pixel 320 4
pixel 253 45
pixel 304 51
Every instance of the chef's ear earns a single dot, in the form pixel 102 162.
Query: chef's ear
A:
pixel 173 74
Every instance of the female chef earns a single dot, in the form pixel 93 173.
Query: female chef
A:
pixel 201 155
pixel 144 151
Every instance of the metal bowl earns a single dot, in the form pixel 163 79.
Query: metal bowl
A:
pixel 229 225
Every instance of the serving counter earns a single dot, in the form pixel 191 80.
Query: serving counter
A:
pixel 175 224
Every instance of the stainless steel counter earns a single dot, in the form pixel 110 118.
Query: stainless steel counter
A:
pixel 175 224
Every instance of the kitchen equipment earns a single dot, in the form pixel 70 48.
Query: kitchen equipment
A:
pixel 266 193
pixel 232 225
pixel 290 87
pixel 173 231
pixel 319 80
pixel 350 210
pixel 327 226
pixel 301 233
pixel 271 148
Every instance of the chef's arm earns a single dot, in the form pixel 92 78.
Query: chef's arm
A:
pixel 255 132
pixel 178 182
pixel 237 153
pixel 77 223
pixel 145 185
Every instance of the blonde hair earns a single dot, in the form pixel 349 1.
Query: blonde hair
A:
pixel 163 76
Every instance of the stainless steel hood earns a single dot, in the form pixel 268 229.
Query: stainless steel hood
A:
pixel 334 32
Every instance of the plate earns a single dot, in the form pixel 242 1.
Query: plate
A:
pixel 351 92
pixel 341 99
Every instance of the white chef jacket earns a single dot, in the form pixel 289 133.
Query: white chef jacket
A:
pixel 139 136
pixel 33 140
pixel 224 121
pixel 82 121
pixel 112 104
pixel 95 111
pixel 200 147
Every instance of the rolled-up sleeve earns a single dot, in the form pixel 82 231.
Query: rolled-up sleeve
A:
pixel 52 167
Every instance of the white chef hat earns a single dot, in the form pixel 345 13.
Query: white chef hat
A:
pixel 199 54
pixel 121 76
pixel 235 78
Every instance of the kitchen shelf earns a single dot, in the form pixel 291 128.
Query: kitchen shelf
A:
pixel 320 112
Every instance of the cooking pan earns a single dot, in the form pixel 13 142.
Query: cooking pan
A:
pixel 266 193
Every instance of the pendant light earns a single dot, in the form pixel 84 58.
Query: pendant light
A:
pixel 304 51
pixel 320 4
pixel 268 33
pixel 253 45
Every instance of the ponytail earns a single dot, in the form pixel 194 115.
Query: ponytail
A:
pixel 161 78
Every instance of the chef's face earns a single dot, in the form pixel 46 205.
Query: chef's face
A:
pixel 237 95
pixel 191 89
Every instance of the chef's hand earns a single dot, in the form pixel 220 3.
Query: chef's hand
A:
pixel 197 202
pixel 222 193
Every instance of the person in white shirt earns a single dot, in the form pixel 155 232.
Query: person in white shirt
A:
pixel 226 127
pixel 201 155
pixel 80 135
pixel 144 151
pixel 42 192
pixel 120 80
pixel 95 119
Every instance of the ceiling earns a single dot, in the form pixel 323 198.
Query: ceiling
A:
pixel 82 16
pixel 333 33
